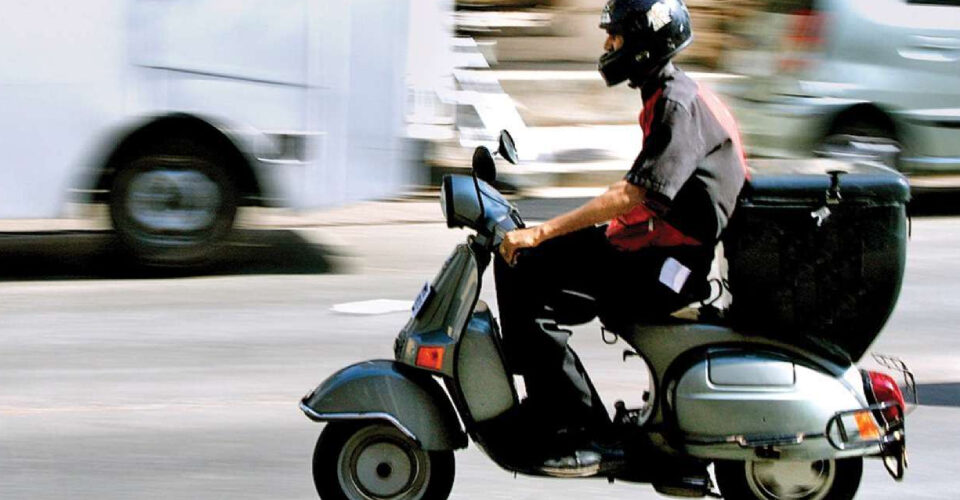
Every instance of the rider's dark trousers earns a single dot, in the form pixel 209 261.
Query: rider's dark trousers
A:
pixel 625 285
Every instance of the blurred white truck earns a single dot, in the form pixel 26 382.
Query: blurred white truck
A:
pixel 176 112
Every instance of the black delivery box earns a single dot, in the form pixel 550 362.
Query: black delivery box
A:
pixel 816 251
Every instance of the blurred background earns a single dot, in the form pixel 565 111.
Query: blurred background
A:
pixel 172 115
pixel 208 206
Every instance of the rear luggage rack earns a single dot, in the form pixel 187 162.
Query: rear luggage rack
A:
pixel 890 432
pixel 892 440
pixel 909 385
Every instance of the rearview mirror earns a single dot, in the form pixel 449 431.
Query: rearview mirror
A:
pixel 483 166
pixel 508 149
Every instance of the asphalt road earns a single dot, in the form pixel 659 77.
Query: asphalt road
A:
pixel 123 384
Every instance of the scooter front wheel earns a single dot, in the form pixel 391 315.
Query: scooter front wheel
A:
pixel 375 461
pixel 795 480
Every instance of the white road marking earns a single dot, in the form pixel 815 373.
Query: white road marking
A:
pixel 370 307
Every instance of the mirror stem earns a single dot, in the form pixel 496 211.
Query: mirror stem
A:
pixel 476 184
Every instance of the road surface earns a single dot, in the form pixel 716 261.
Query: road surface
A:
pixel 117 384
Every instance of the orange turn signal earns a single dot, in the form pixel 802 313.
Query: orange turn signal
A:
pixel 430 357
pixel 865 424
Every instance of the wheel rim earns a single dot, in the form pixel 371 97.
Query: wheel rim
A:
pixel 849 147
pixel 782 480
pixel 379 463
pixel 171 200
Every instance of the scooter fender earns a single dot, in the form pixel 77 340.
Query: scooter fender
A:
pixel 386 390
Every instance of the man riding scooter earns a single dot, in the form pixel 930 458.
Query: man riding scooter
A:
pixel 666 216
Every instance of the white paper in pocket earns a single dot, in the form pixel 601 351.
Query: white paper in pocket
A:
pixel 674 274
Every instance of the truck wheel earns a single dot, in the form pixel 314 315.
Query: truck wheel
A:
pixel 782 479
pixel 375 461
pixel 172 205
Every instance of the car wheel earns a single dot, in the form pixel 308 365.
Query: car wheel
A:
pixel 861 141
pixel 790 480
pixel 375 461
pixel 172 205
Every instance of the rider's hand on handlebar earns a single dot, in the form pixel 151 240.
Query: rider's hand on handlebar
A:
pixel 518 239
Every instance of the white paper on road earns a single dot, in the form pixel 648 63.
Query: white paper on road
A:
pixel 370 307
pixel 674 274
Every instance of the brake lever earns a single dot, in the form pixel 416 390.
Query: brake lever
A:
pixel 516 255
pixel 517 220
pixel 520 253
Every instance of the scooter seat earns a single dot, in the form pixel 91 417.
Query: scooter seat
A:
pixel 570 308
pixel 688 334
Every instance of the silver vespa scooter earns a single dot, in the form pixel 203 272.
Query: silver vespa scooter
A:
pixel 778 419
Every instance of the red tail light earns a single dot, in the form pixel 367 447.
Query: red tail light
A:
pixel 886 390
pixel 430 357
pixel 803 37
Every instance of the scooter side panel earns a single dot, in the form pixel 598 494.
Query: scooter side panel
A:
pixel 481 372
pixel 446 312
pixel 733 403
pixel 386 390
pixel 668 348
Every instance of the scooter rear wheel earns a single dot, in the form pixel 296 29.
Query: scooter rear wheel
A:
pixel 787 480
pixel 375 461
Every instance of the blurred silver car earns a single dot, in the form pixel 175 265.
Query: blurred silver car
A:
pixel 852 78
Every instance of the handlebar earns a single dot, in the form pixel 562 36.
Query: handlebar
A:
pixel 460 198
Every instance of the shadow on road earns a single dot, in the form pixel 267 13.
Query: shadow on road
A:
pixel 935 203
pixel 96 255
pixel 939 394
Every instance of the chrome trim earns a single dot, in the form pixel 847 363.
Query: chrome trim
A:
pixel 893 433
pixel 323 417
pixel 760 441
pixel 754 440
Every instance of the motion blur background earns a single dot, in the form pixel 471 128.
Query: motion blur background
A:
pixel 208 206
pixel 175 113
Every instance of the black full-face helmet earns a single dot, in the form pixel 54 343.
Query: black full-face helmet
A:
pixel 653 31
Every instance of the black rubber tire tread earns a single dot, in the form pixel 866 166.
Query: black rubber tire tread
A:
pixel 327 453
pixel 136 242
pixel 732 480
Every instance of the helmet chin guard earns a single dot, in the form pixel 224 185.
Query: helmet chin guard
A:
pixel 624 64
pixel 615 67
pixel 653 32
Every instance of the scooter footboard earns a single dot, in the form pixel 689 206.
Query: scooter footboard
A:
pixel 386 390
pixel 737 405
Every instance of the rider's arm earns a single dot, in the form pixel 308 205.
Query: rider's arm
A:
pixel 669 157
pixel 618 200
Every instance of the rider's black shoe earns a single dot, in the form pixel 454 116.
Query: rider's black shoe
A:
pixel 590 460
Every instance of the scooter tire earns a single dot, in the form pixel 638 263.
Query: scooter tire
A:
pixel 346 467
pixel 735 482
